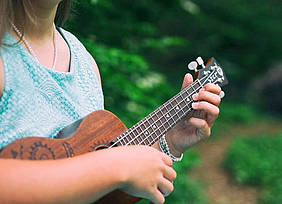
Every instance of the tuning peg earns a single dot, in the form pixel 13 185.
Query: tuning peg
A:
pixel 200 61
pixel 193 66
pixel 221 94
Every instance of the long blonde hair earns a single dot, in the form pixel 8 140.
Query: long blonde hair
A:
pixel 19 10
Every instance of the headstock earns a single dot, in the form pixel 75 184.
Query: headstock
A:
pixel 211 73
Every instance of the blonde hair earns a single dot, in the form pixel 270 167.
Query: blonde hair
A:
pixel 21 11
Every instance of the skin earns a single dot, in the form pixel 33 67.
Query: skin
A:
pixel 79 179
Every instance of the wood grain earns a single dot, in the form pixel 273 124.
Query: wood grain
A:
pixel 96 131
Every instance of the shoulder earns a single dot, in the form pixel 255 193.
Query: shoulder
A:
pixel 1 77
pixel 95 67
pixel 71 37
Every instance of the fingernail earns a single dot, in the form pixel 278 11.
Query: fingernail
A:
pixel 195 96
pixel 194 105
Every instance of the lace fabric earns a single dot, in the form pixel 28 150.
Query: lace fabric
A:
pixel 37 101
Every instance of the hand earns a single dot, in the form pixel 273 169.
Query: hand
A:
pixel 146 172
pixel 196 125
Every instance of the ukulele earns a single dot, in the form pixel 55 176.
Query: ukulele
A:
pixel 102 129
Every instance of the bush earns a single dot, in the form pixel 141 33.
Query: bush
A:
pixel 237 113
pixel 257 161
pixel 131 89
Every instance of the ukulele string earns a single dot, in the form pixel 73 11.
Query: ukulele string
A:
pixel 156 138
pixel 130 130
pixel 134 128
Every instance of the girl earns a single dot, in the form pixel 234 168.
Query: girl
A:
pixel 47 81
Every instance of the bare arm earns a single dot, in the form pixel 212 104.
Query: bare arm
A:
pixel 88 177
pixel 77 180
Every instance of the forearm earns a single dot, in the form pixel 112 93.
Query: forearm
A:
pixel 80 179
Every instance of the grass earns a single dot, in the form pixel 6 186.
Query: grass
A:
pixel 257 161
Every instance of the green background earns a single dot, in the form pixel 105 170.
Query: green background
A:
pixel 142 49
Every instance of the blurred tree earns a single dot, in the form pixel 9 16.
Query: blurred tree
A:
pixel 245 36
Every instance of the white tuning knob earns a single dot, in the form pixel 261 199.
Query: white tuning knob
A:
pixel 193 65
pixel 200 61
pixel 221 94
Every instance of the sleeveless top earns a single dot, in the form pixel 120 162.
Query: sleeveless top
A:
pixel 38 101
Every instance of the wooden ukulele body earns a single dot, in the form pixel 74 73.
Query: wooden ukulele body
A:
pixel 95 132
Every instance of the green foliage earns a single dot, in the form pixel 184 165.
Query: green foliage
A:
pixel 186 189
pixel 238 113
pixel 245 36
pixel 141 48
pixel 130 88
pixel 257 161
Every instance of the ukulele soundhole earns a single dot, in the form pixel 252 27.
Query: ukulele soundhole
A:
pixel 40 151
pixel 98 147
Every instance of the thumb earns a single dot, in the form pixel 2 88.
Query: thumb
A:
pixel 188 79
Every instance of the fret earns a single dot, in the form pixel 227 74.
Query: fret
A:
pixel 172 112
pixel 184 94
pixel 186 109
pixel 158 131
pixel 169 106
pixel 149 130
pixel 146 141
pixel 159 113
pixel 151 120
pixel 200 84
pixel 167 113
pixel 170 121
pixel 178 98
pixel 162 119
pixel 192 88
pixel 182 104
pixel 120 140
pixel 125 138
pixel 155 117
pixel 174 121
pixel 138 129
pixel 164 110
pixel 166 125
pixel 153 136
pixel 142 125
pixel 162 128
pixel 175 117
pixel 189 91
pixel 131 139
pixel 196 85
pixel 136 136
pixel 174 102
pixel 180 113
pixel 146 123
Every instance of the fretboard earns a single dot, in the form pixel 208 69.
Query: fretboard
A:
pixel 157 123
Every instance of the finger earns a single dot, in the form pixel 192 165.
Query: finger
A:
pixel 165 187
pixel 170 174
pixel 209 108
pixel 207 96
pixel 188 79
pixel 202 127
pixel 212 88
pixel 157 197
pixel 167 160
